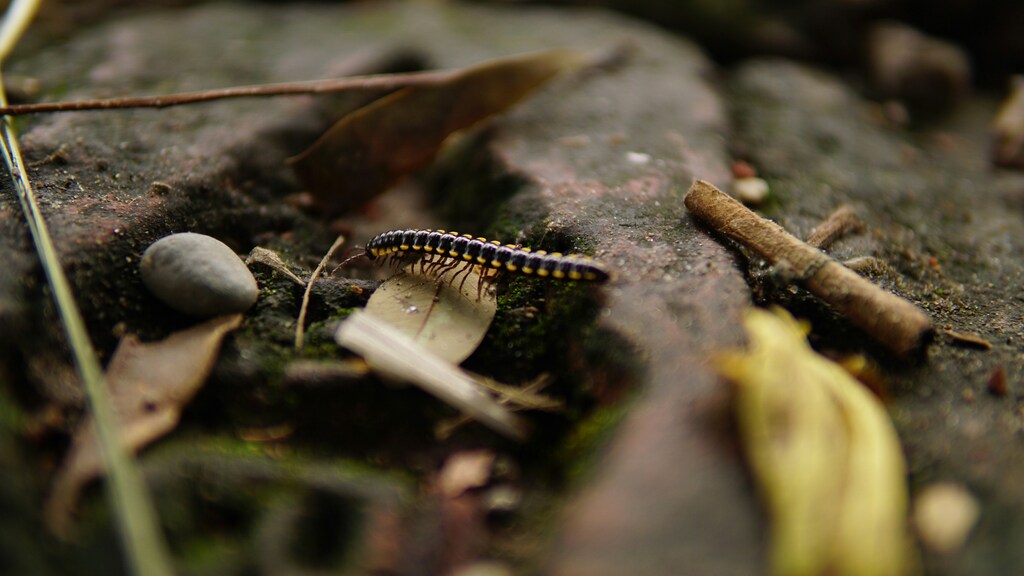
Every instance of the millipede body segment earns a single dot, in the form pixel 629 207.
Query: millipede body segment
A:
pixel 450 250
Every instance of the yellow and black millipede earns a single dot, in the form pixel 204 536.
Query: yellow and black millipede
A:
pixel 450 250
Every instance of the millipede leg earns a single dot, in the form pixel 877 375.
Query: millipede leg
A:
pixel 480 284
pixel 446 267
pixel 469 268
pixel 431 265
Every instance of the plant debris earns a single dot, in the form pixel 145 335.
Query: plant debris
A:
pixel 892 320
pixel 393 354
pixel 824 453
pixel 836 225
pixel 300 324
pixel 272 260
pixel 369 150
pixel 149 385
pixel 448 315
pixel 516 398
pixel 462 521
pixel 968 339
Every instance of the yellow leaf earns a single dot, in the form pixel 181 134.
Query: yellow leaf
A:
pixel 825 455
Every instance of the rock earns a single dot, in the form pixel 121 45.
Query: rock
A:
pixel 944 514
pixel 198 275
pixel 750 191
pixel 928 74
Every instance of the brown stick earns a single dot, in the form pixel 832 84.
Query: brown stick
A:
pixel 895 322
pixel 834 227
pixel 364 82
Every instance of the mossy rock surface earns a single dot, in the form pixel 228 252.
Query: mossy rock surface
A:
pixel 595 164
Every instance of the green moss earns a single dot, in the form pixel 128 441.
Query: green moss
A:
pixel 11 416
pixel 582 446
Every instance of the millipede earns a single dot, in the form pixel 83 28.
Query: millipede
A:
pixel 440 251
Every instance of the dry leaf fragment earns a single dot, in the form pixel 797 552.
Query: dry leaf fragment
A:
pixel 969 339
pixel 461 524
pixel 395 355
pixel 270 259
pixel 824 453
pixel 149 384
pixel 369 150
pixel 465 471
pixel 448 316
pixel 515 398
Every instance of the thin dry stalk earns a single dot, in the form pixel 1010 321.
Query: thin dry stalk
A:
pixel 134 512
pixel 300 327
pixel 374 82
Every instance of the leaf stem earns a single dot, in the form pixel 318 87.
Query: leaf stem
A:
pixel 136 517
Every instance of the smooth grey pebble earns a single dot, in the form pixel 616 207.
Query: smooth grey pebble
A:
pixel 198 275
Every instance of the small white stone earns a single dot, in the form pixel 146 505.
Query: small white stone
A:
pixel 944 515
pixel 638 158
pixel 198 275
pixel 751 190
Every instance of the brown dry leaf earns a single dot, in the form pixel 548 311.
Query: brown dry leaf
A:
pixel 462 514
pixel 369 150
pixel 824 453
pixel 448 315
pixel 149 384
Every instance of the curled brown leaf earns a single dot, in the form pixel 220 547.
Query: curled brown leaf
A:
pixel 149 384
pixel 369 150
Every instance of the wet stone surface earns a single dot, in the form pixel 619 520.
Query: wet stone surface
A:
pixel 946 221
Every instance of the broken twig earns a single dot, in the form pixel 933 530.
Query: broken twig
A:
pixel 969 339
pixel 895 322
pixel 834 227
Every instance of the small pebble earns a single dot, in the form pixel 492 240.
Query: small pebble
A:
pixel 638 158
pixel 997 382
pixel 741 169
pixel 944 515
pixel 198 275
pixel 751 190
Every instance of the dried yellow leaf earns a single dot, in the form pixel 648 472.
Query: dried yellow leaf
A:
pixel 824 453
